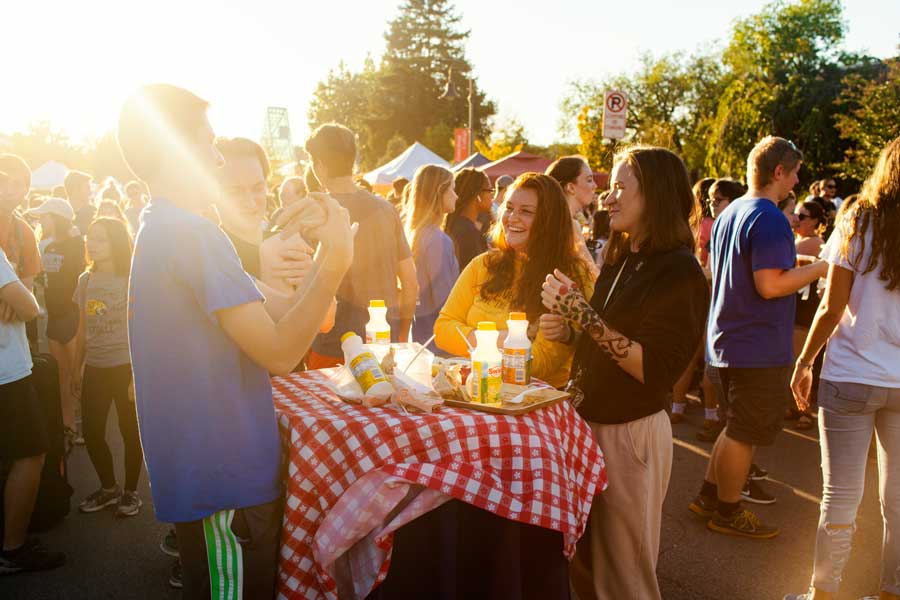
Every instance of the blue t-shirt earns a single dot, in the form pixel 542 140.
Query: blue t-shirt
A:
pixel 745 330
pixel 205 410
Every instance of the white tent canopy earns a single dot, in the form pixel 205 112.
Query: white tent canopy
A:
pixel 48 175
pixel 404 165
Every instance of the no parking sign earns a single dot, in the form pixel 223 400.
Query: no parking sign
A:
pixel 615 111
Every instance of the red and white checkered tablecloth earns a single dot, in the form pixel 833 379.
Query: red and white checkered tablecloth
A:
pixel 542 468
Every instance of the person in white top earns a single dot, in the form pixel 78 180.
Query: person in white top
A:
pixel 23 435
pixel 859 392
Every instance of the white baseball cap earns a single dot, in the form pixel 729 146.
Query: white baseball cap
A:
pixel 54 206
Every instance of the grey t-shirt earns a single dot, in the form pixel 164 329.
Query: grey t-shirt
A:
pixel 103 299
pixel 379 246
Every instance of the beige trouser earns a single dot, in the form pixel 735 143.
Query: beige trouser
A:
pixel 616 557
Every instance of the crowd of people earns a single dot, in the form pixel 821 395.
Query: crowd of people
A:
pixel 634 298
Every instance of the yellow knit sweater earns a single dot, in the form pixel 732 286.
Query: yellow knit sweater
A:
pixel 551 361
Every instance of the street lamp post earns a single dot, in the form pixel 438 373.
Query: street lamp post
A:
pixel 450 93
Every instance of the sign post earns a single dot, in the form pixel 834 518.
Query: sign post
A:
pixel 615 112
pixel 460 144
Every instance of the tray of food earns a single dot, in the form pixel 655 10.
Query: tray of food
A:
pixel 451 382
pixel 515 400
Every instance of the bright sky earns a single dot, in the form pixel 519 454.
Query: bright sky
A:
pixel 74 62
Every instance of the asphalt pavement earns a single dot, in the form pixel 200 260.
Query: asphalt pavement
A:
pixel 119 559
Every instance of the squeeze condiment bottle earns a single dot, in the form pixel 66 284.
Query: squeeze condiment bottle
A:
pixel 365 368
pixel 517 351
pixel 487 365
pixel 378 330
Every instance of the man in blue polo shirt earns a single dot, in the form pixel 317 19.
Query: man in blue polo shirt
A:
pixel 750 330
pixel 203 344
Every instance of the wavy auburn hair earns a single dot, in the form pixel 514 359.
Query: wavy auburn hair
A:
pixel 670 212
pixel 551 245
pixel 878 210
pixel 424 204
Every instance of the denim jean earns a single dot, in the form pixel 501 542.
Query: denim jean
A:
pixel 848 415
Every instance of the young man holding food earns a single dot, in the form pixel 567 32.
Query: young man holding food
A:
pixel 203 343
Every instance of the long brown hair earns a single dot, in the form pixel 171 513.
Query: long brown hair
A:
pixel 878 209
pixel 426 197
pixel 120 244
pixel 551 245
pixel 566 170
pixel 670 209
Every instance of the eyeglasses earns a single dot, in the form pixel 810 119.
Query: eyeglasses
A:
pixel 804 216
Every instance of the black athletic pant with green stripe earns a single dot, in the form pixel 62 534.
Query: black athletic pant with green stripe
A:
pixel 231 554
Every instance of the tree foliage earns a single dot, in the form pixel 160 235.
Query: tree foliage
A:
pixel 870 117
pixel 668 98
pixel 782 71
pixel 505 138
pixel 401 95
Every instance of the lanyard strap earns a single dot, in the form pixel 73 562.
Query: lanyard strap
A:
pixel 615 282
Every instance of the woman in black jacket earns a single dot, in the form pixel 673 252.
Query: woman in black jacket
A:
pixel 641 328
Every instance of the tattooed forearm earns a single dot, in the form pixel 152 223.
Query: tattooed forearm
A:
pixel 572 305
pixel 613 344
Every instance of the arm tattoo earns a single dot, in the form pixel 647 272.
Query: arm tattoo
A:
pixel 571 304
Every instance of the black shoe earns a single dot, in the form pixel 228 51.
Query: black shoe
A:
pixel 757 473
pixel 32 556
pixel 175 575
pixel 129 504
pixel 704 506
pixel 169 545
pixel 100 500
pixel 754 493
pixel 742 523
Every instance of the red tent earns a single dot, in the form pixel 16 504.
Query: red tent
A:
pixel 515 164
pixel 523 162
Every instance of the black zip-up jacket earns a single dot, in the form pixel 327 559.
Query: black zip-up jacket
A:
pixel 661 301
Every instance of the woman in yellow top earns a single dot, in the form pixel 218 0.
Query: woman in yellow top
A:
pixel 534 237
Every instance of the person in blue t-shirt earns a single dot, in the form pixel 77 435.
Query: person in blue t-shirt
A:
pixel 750 330
pixel 203 343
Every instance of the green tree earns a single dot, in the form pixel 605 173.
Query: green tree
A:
pixel 105 158
pixel 402 95
pixel 439 139
pixel 668 96
pixel 41 142
pixel 783 73
pixel 505 139
pixel 344 98
pixel 396 145
pixel 870 117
